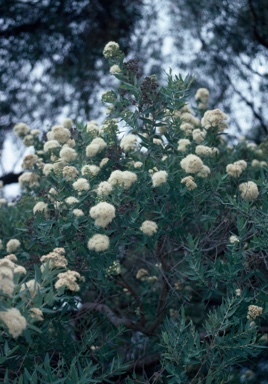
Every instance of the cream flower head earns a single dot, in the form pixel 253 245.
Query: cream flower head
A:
pixel 68 280
pixel 14 321
pixel 129 143
pixel 149 227
pixel 202 95
pixel 81 185
pixel 104 188
pixel 183 144
pixel 103 213
pixel 233 239
pixel 40 207
pixel 61 134
pixel 68 154
pixel 98 243
pixel 21 129
pixel 70 172
pixel 115 69
pixel 111 50
pixel 51 144
pixel 214 118
pixel 78 212
pixel 91 170
pixel 124 178
pixel 249 191
pixel 192 164
pixel 159 178
pixel 12 245
pixel 199 135
pixel 189 182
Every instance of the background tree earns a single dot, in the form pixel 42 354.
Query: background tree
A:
pixel 51 55
pixel 225 44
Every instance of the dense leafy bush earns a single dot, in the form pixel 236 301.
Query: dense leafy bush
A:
pixel 137 251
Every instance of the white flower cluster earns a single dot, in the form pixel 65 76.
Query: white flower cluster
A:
pixel 68 154
pixel 201 97
pixel 8 269
pixel 124 178
pixel 249 191
pixel 21 129
pixel 203 150
pixel 193 164
pixel 129 143
pixel 59 133
pixel 14 321
pixel 81 185
pixel 55 259
pixel 92 127
pixel 236 168
pixel 104 188
pixel 254 311
pixel 3 201
pixel 51 145
pixel 214 118
pixel 68 280
pixel 149 227
pixel 70 172
pixel 159 178
pixel 115 69
pixel 71 200
pixel 12 245
pixel 78 212
pixel 189 182
pixel 183 144
pixel 28 179
pixel 199 135
pixel 40 207
pixel 111 50
pixel 103 214
pixel 98 243
pixel 29 161
pixel 30 287
pixel 96 146
pixel 233 239
pixel 90 170
pixel 259 164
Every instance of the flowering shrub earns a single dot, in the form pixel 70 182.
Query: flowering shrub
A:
pixel 139 258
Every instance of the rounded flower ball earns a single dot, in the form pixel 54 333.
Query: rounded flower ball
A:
pixel 40 207
pixel 51 144
pixel 149 227
pixel 81 185
pixel 103 214
pixel 192 164
pixel 129 143
pixel 68 154
pixel 249 191
pixel 98 243
pixel 12 245
pixel 159 178
pixel 111 50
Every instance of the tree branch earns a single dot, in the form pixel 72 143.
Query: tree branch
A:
pixel 251 105
pixel 10 178
pixel 259 38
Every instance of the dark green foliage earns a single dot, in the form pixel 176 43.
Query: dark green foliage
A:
pixel 185 302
